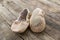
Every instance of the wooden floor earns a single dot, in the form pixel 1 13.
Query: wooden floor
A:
pixel 10 9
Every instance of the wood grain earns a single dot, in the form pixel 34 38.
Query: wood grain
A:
pixel 10 9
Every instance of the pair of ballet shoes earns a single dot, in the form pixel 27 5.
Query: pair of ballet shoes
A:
pixel 35 19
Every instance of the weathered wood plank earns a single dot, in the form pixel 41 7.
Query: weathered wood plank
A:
pixel 53 22
pixel 36 36
pixel 13 7
pixel 8 15
pixel 5 31
pixel 44 4
pixel 53 27
pixel 52 31
pixel 50 5
pixel 55 1
pixel 27 36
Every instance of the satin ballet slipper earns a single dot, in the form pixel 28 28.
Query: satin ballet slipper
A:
pixel 37 20
pixel 21 23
